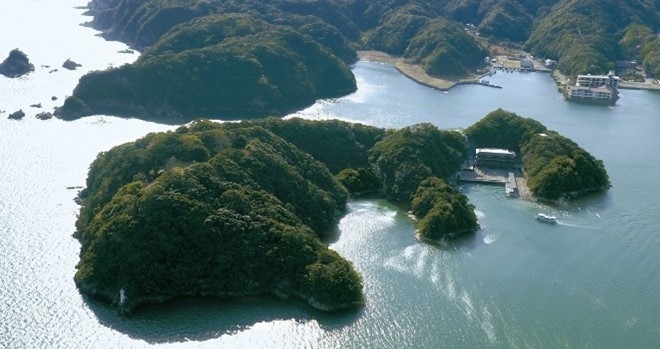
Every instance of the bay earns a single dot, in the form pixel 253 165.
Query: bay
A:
pixel 589 281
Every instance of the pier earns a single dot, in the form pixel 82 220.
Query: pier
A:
pixel 514 186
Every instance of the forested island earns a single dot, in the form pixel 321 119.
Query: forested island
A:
pixel 233 209
pixel 554 166
pixel 228 59
pixel 236 209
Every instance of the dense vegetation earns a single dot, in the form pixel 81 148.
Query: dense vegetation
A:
pixel 445 49
pixel 554 166
pixel 16 64
pixel 503 129
pixel 234 59
pixel 584 35
pixel 641 43
pixel 442 211
pixel 235 209
pixel 404 158
pixel 210 211
pixel 241 67
pixel 229 59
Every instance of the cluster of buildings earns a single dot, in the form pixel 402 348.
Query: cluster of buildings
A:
pixel 595 88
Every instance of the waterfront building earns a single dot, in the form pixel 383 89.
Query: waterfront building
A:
pixel 595 88
pixel 598 80
pixel 602 93
pixel 492 157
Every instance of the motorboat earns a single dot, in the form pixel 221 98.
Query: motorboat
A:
pixel 546 218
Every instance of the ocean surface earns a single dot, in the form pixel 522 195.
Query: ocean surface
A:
pixel 590 281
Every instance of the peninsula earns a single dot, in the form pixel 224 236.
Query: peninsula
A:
pixel 234 209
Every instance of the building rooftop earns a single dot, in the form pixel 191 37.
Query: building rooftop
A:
pixel 495 151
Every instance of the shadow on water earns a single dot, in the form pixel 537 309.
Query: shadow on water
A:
pixel 201 319
pixel 464 241
pixel 597 200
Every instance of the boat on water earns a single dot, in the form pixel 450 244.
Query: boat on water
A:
pixel 546 218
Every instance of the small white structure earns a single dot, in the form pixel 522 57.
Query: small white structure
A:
pixel 122 296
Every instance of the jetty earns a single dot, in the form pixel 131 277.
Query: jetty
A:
pixel 514 184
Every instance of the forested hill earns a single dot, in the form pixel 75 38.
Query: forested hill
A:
pixel 235 59
pixel 235 209
pixel 554 166
pixel 230 59
pixel 587 36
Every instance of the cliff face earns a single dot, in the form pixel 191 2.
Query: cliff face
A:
pixel 16 64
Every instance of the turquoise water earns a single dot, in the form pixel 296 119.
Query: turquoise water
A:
pixel 590 281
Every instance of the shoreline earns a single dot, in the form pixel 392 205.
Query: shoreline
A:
pixel 417 74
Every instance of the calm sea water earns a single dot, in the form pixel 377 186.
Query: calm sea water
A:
pixel 590 281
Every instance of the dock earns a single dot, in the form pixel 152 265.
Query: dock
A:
pixel 502 177
pixel 474 174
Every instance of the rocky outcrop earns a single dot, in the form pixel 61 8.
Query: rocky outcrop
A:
pixel 72 109
pixel 17 115
pixel 44 115
pixel 16 65
pixel 71 65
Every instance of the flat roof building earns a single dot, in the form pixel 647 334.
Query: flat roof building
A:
pixel 493 157
pixel 596 88
pixel 598 80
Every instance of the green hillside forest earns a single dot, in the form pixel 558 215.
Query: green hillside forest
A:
pixel 554 166
pixel 234 209
pixel 227 59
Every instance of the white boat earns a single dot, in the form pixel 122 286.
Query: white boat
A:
pixel 546 218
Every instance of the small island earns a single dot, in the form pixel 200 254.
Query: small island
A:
pixel 16 64
pixel 554 166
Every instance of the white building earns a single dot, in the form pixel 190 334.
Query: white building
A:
pixel 598 80
pixel 599 88
pixel 602 93
pixel 494 157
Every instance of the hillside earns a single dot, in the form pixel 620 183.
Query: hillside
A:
pixel 584 35
pixel 207 211
pixel 229 59
pixel 554 166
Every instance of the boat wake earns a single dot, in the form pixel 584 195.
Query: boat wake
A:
pixel 565 224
